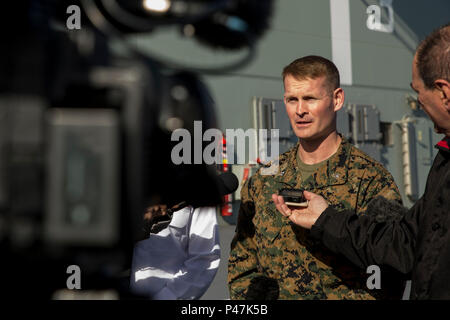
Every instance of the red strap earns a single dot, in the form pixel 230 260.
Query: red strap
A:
pixel 246 173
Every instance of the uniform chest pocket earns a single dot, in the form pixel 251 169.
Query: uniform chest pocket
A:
pixel 267 224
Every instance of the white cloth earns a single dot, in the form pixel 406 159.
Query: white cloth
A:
pixel 180 261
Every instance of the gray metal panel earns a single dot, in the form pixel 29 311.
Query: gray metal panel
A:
pixel 281 119
pixel 343 122
pixel 357 122
pixel 288 139
pixel 365 127
pixel 365 123
pixel 271 114
pixel 83 177
pixel 371 123
pixel 372 149
pixel 21 141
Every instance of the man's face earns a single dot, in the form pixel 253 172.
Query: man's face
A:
pixel 431 102
pixel 311 106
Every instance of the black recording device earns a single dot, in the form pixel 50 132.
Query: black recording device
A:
pixel 85 132
pixel 293 197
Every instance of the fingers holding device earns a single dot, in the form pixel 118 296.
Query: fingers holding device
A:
pixel 307 210
pixel 293 197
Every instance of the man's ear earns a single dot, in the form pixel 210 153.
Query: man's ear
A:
pixel 443 86
pixel 338 98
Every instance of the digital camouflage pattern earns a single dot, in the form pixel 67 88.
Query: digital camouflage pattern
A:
pixel 267 244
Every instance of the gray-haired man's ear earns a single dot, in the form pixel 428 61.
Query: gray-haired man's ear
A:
pixel 443 86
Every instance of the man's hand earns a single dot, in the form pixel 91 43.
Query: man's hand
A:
pixel 153 215
pixel 154 212
pixel 303 217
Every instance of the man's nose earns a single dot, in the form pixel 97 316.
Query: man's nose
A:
pixel 301 109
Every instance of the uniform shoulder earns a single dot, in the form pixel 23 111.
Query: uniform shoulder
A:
pixel 362 160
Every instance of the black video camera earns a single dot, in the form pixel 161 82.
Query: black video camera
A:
pixel 85 136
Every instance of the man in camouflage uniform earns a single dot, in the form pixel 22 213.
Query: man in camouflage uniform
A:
pixel 266 245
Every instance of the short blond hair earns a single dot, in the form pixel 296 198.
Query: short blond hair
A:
pixel 313 67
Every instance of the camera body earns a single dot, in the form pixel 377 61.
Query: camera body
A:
pixel 82 155
pixel 85 139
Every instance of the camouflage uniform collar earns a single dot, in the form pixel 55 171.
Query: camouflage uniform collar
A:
pixel 335 171
pixel 337 165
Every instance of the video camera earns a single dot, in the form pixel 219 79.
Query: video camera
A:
pixel 85 132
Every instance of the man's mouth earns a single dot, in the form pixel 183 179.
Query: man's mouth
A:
pixel 302 122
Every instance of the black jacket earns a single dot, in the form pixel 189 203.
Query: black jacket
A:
pixel 417 241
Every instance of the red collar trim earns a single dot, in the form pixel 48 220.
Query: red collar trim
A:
pixel 444 144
